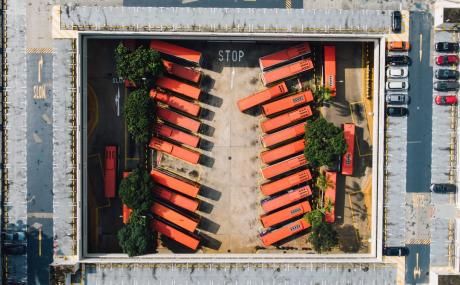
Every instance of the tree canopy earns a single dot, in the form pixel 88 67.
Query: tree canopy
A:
pixel 323 237
pixel 322 94
pixel 135 238
pixel 136 190
pixel 141 66
pixel 139 115
pixel 324 143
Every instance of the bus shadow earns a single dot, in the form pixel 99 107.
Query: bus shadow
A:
pixel 205 144
pixel 206 160
pixel 208 225
pixel 211 100
pixel 206 130
pixel 206 114
pixel 205 207
pixel 210 193
pixel 209 242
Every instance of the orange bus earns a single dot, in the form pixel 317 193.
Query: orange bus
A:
pixel 177 135
pixel 176 102
pixel 275 218
pixel 347 159
pixel 287 103
pixel 285 119
pixel 176 51
pixel 282 56
pixel 272 203
pixel 262 96
pixel 126 213
pixel 191 241
pixel 284 166
pixel 330 69
pixel 182 71
pixel 272 236
pixel 285 183
pixel 178 87
pixel 177 183
pixel 110 172
pixel 174 150
pixel 164 212
pixel 329 195
pixel 176 198
pixel 178 119
pixel 283 135
pixel 286 71
pixel 281 152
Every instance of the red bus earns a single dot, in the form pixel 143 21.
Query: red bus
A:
pixel 285 119
pixel 287 103
pixel 126 213
pixel 182 71
pixel 178 87
pixel 282 56
pixel 177 183
pixel 272 236
pixel 273 203
pixel 177 135
pixel 174 150
pixel 285 183
pixel 110 173
pixel 284 166
pixel 178 119
pixel 164 212
pixel 176 51
pixel 283 135
pixel 176 198
pixel 286 71
pixel 329 195
pixel 176 102
pixel 189 240
pixel 275 218
pixel 262 96
pixel 281 152
pixel 330 69
pixel 347 159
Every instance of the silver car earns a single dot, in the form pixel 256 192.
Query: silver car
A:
pixel 397 85
pixel 397 72
pixel 397 99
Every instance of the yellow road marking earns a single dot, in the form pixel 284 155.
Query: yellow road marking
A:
pixel 39 241
pixel 94 122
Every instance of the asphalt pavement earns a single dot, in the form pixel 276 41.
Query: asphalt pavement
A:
pixel 39 167
pixel 295 4
pixel 420 109
pixel 418 264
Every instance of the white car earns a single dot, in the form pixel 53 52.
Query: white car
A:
pixel 397 85
pixel 397 72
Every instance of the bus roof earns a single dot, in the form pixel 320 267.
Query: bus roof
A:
pixel 285 183
pixel 288 230
pixel 283 135
pixel 178 119
pixel 283 56
pixel 287 103
pixel 176 198
pixel 177 183
pixel 177 51
pixel 174 217
pixel 262 96
pixel 284 166
pixel 178 87
pixel 181 71
pixel 176 102
pixel 176 135
pixel 286 119
pixel 175 234
pixel 286 71
pixel 288 213
pixel 281 152
pixel 273 203
pixel 185 154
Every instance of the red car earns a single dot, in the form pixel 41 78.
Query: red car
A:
pixel 446 100
pixel 446 59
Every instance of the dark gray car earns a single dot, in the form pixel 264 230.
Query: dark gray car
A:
pixel 397 99
pixel 396 251
pixel 446 74
pixel 443 188
pixel 446 86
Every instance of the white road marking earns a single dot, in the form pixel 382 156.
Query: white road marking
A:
pixel 37 138
pixel 233 75
pixel 414 141
pixel 46 119
pixel 420 53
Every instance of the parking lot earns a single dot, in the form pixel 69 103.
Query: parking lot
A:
pixel 229 169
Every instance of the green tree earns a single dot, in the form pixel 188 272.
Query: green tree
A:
pixel 324 143
pixel 136 190
pixel 323 237
pixel 322 94
pixel 141 66
pixel 315 217
pixel 139 115
pixel 135 238
pixel 322 183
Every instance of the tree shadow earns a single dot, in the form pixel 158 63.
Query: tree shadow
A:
pixel 349 239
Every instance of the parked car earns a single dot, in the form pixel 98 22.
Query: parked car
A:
pixel 446 59
pixel 445 100
pixel 397 85
pixel 396 21
pixel 398 46
pixel 396 111
pixel 446 86
pixel 14 236
pixel 398 60
pixel 446 47
pixel 14 249
pixel 397 99
pixel 396 251
pixel 443 188
pixel 397 72
pixel 446 74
